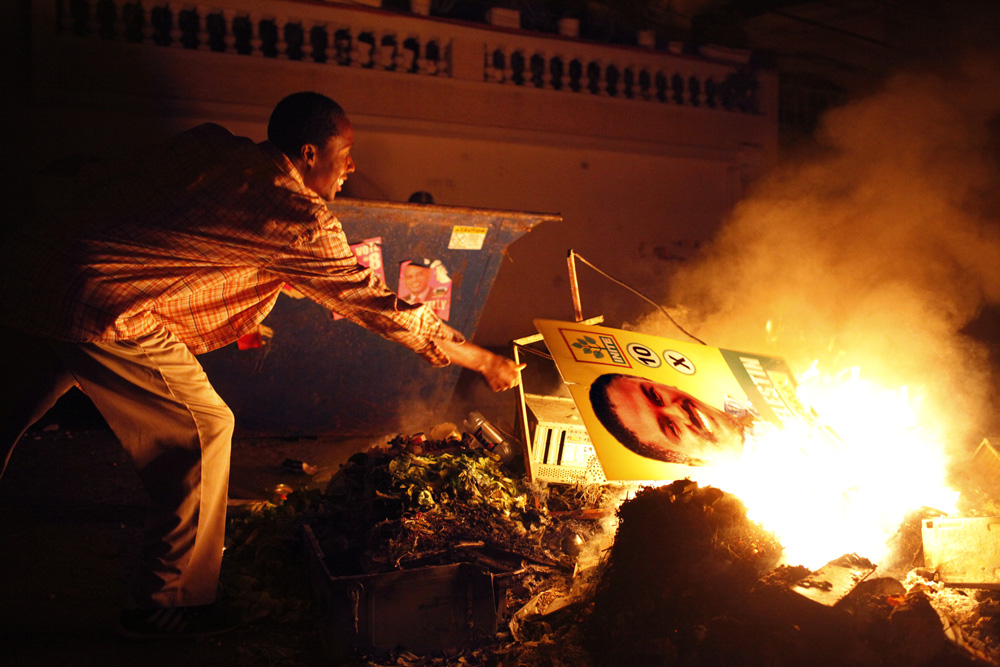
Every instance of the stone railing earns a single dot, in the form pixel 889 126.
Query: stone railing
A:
pixel 356 36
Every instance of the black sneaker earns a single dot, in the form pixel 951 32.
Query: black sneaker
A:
pixel 180 622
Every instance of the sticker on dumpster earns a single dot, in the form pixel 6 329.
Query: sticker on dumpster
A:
pixel 368 254
pixel 467 238
pixel 259 337
pixel 426 281
pixel 669 404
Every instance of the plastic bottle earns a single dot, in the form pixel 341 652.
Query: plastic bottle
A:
pixel 490 437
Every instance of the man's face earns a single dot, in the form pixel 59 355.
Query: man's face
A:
pixel 415 278
pixel 667 418
pixel 325 168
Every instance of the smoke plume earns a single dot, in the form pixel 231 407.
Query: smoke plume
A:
pixel 877 252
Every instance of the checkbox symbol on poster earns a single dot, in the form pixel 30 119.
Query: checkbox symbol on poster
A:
pixel 679 362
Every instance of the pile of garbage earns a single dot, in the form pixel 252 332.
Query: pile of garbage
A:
pixel 604 574
pixel 389 509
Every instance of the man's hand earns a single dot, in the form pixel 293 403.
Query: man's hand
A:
pixel 499 372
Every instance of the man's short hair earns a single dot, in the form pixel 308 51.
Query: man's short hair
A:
pixel 303 118
pixel 609 418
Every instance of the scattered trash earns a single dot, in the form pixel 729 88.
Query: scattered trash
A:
pixel 299 467
pixel 280 494
pixel 673 575
pixel 490 437
pixel 445 431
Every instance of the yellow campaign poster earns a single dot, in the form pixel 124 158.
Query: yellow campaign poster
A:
pixel 655 406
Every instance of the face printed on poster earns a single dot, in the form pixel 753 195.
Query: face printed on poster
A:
pixel 654 406
pixel 426 281
pixel 369 254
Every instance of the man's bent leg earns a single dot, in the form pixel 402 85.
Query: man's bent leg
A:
pixel 159 402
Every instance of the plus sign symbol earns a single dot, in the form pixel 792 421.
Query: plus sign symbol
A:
pixel 679 362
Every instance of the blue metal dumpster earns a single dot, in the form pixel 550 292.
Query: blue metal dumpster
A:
pixel 318 375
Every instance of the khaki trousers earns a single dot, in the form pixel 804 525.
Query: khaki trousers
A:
pixel 178 431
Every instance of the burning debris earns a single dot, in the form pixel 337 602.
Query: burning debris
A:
pixel 467 563
pixel 690 581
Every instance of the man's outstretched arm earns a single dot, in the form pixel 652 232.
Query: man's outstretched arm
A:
pixel 499 372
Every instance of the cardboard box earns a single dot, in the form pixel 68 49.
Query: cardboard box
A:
pixel 425 610
pixel 964 552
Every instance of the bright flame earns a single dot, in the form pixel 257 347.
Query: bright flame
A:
pixel 825 496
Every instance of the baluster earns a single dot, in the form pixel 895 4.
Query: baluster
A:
pixel 161 19
pixel 628 82
pixel 407 56
pixel 267 30
pixel 536 66
pixel 398 55
pixel 79 11
pixel 517 67
pixel 387 52
pixel 645 83
pixel 662 94
pixel 508 66
pixel 319 41
pixel 342 45
pixel 557 71
pixel 369 47
pixel 576 75
pixel 280 44
pixel 107 19
pixel 366 42
pixel 424 63
pixel 215 31
pixel 376 51
pixel 419 60
pixel 433 61
pixel 612 77
pixel 245 41
pixel 189 24
pixel 390 56
pixel 228 31
pixel 677 84
pixel 294 38
pixel 176 33
pixel 354 57
pixel 595 78
pixel 134 24
pixel 694 90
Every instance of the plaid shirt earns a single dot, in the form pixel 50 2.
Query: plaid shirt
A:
pixel 198 236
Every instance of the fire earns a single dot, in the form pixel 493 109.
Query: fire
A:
pixel 824 495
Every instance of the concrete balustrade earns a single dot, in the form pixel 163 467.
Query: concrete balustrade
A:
pixel 363 37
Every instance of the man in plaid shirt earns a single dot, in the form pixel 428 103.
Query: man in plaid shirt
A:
pixel 174 252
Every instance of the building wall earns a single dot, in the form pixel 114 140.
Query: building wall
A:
pixel 639 184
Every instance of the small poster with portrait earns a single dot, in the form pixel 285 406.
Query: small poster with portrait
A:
pixel 654 407
pixel 426 281
pixel 369 254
